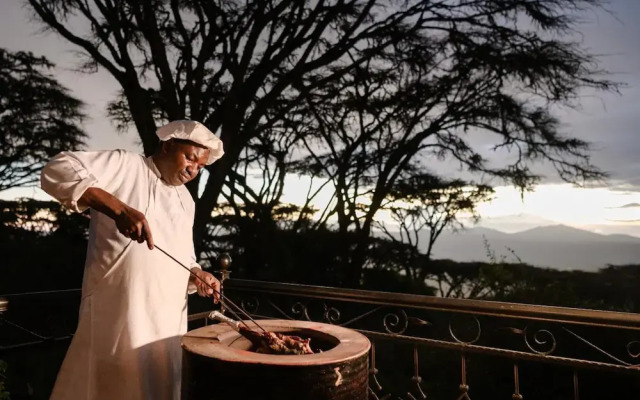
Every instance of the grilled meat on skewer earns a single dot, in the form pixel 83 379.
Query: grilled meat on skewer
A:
pixel 267 342
pixel 277 343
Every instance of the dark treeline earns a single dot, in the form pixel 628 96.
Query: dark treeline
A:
pixel 43 248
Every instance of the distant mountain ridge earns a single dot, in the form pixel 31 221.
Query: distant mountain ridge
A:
pixel 554 246
pixel 568 233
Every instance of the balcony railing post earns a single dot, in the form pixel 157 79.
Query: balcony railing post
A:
pixel 464 388
pixel 416 379
pixel 516 383
pixel 224 263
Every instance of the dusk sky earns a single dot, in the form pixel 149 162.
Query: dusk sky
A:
pixel 609 121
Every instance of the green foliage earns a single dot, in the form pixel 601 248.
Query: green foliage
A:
pixel 4 395
pixel 47 238
pixel 267 251
pixel 38 118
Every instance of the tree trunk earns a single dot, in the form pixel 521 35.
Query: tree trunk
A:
pixel 142 113
pixel 218 172
pixel 358 258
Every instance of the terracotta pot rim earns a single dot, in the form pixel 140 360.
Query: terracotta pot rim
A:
pixel 211 342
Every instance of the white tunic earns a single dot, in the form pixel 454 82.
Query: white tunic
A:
pixel 134 300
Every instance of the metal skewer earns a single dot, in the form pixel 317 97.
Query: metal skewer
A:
pixel 222 297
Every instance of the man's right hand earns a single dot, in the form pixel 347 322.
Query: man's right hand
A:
pixel 129 221
pixel 133 224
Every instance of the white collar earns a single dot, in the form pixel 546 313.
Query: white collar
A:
pixel 152 166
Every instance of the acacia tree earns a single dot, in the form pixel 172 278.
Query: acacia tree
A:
pixel 491 68
pixel 429 204
pixel 371 90
pixel 234 65
pixel 38 118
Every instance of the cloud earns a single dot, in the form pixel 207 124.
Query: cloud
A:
pixel 630 205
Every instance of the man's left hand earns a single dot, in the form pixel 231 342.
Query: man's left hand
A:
pixel 205 290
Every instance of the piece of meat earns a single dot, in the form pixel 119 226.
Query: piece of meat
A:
pixel 277 343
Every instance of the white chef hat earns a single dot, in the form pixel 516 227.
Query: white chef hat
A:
pixel 195 132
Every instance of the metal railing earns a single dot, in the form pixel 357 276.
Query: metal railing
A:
pixel 34 318
pixel 443 347
pixel 436 334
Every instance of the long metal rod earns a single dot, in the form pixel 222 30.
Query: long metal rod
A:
pixel 222 297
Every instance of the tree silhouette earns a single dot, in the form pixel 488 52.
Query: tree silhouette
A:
pixel 428 204
pixel 38 118
pixel 469 76
pixel 47 237
pixel 368 92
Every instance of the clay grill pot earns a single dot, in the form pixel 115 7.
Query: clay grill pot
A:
pixel 219 364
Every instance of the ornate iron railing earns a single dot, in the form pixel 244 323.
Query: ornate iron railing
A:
pixel 422 345
pixel 454 341
pixel 35 318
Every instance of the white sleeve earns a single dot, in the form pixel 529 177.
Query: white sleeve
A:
pixel 69 174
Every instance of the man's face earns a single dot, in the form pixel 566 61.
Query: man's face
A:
pixel 181 161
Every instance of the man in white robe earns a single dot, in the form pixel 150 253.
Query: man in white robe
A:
pixel 134 298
